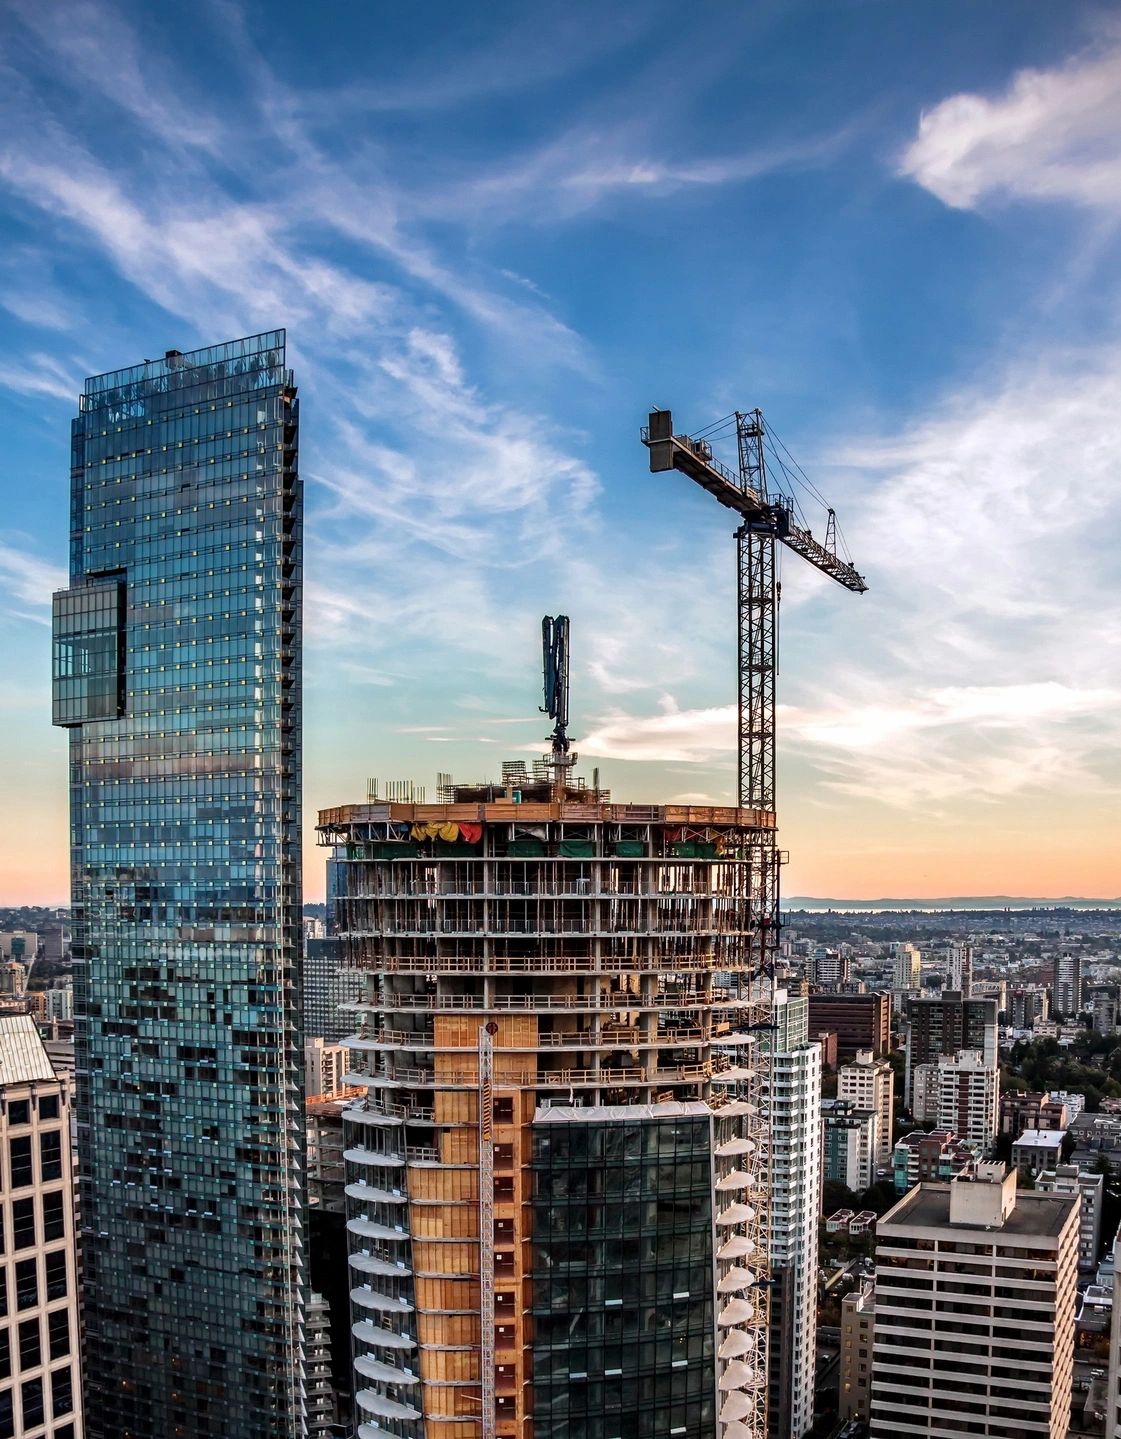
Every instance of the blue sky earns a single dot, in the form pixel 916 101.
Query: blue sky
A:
pixel 497 235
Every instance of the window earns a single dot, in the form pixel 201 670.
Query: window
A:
pixel 23 1223
pixel 30 1350
pixel 31 1402
pixel 5 1355
pixel 50 1154
pixel 27 1284
pixel 54 1220
pixel 58 1330
pixel 56 1275
pixel 7 1416
pixel 19 1155
pixel 62 1393
pixel 48 1106
pixel 19 1111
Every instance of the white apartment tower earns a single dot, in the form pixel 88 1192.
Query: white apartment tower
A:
pixel 975 1295
pixel 40 1392
pixel 1067 988
pixel 795 1191
pixel 960 976
pixel 969 1095
pixel 870 1084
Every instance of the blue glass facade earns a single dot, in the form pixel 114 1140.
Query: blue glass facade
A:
pixel 177 671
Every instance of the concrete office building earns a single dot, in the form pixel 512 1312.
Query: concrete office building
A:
pixel 870 1084
pixel 177 674
pixel 556 1184
pixel 40 1389
pixel 975 1296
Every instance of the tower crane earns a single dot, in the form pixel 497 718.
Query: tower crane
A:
pixel 767 519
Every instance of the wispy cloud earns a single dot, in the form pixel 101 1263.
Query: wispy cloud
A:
pixel 1052 135
pixel 28 578
pixel 40 374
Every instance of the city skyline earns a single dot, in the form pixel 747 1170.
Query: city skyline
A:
pixel 491 265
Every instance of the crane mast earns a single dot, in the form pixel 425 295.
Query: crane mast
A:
pixel 766 520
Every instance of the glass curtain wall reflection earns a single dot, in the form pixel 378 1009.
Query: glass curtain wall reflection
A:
pixel 177 672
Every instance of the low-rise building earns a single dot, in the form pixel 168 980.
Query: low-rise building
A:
pixel 1038 1149
pixel 939 1156
pixel 850 1140
pixel 858 1323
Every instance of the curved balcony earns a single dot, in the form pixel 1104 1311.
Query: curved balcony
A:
pixel 371 1402
pixel 366 1193
pixel 372 1158
pixel 382 1268
pixel 367 1298
pixel 384 1373
pixel 379 1338
pixel 367 1229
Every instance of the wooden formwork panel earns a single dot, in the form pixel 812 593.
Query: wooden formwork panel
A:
pixel 452 1400
pixel 443 1186
pixel 445 1221
pixel 455 1106
pixel 435 1258
pixel 451 1365
pixel 452 1329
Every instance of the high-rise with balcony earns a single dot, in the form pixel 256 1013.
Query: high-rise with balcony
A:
pixel 796 1152
pixel 556 1184
pixel 177 674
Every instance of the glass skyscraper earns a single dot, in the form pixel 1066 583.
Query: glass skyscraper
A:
pixel 177 672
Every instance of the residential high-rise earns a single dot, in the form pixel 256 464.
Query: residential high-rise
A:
pixel 858 1328
pixel 795 1070
pixel 557 1185
pixel 974 1327
pixel 945 1024
pixel 959 964
pixel 177 673
pixel 1113 1390
pixel 39 1342
pixel 1066 992
pixel 1069 1179
pixel 969 1096
pixel 860 1021
pixel 330 988
pixel 870 1084
pixel 906 968
pixel 830 969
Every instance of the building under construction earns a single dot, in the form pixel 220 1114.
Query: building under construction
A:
pixel 557 1182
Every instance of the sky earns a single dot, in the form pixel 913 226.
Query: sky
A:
pixel 498 235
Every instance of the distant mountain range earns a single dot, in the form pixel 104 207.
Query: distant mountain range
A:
pixel 958 901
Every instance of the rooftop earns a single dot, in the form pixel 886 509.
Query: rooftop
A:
pixel 1041 1138
pixel 928 1207
pixel 22 1056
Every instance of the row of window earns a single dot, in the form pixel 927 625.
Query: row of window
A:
pixel 28 1342
pixel 32 1404
pixel 21 1157
pixel 29 1288
pixel 19 1111
pixel 26 1233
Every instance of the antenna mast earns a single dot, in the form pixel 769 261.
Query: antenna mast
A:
pixel 554 652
